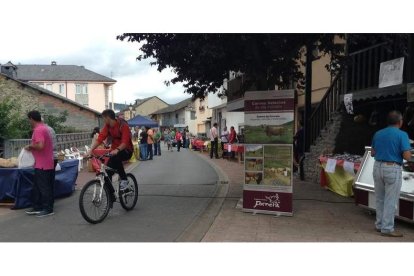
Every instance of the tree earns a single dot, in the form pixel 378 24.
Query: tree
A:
pixel 202 61
pixel 15 125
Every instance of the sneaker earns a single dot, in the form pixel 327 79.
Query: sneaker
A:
pixel 33 211
pixel 123 185
pixel 393 234
pixel 44 213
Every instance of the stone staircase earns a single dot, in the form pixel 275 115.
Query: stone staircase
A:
pixel 325 143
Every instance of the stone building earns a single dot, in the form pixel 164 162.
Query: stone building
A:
pixel 31 96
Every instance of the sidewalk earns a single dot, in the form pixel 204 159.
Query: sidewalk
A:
pixel 319 216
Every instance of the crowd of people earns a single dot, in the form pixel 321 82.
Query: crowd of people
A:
pixel 149 140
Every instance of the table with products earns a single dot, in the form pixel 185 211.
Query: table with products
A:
pixel 17 183
pixel 237 148
pixel 365 192
pixel 338 172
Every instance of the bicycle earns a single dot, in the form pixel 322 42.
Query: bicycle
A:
pixel 99 195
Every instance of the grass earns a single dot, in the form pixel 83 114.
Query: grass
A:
pixel 257 135
pixel 256 153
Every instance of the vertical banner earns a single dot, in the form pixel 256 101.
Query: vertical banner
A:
pixel 268 162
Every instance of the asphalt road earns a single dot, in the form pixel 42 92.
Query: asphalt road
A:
pixel 174 188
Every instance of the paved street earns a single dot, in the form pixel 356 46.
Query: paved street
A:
pixel 174 189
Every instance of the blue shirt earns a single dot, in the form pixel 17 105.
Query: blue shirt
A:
pixel 389 144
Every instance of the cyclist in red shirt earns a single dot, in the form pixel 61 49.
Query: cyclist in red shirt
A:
pixel 118 133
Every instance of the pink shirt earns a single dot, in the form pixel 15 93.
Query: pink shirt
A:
pixel 43 158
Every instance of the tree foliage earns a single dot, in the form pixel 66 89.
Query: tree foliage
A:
pixel 202 61
pixel 15 125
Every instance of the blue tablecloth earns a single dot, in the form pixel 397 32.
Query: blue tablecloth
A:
pixel 17 183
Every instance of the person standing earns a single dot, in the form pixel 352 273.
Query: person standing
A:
pixel 184 137
pixel 214 141
pixel 187 136
pixel 42 150
pixel 224 139
pixel 389 147
pixel 179 139
pixel 150 142
pixel 157 143
pixel 298 150
pixel 232 140
pixel 143 144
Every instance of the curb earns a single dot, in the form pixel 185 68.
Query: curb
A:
pixel 132 167
pixel 200 225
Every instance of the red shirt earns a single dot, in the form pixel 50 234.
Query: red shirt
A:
pixel 232 137
pixel 178 136
pixel 119 137
pixel 44 157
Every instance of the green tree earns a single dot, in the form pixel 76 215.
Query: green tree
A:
pixel 202 61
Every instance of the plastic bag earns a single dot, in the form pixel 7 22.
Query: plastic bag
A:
pixel 25 159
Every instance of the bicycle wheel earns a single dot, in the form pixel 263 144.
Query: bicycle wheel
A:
pixel 94 207
pixel 129 198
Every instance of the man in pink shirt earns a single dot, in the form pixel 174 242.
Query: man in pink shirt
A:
pixel 44 175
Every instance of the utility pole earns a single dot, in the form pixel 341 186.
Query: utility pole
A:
pixel 308 96
pixel 410 61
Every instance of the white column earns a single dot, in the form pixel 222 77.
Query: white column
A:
pixel 112 92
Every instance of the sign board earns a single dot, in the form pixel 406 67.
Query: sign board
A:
pixel 268 133
pixel 391 72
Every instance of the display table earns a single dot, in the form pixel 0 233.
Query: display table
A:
pixel 197 144
pixel 237 148
pixel 340 181
pixel 365 192
pixel 17 183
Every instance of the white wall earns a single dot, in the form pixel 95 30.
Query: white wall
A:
pixel 214 100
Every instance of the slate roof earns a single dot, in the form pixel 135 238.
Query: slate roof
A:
pixel 174 107
pixel 58 73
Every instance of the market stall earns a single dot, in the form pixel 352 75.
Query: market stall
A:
pixel 237 148
pixel 364 188
pixel 338 172
pixel 17 183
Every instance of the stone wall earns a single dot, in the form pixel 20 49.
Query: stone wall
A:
pixel 30 98
pixel 324 144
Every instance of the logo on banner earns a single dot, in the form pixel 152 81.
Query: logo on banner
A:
pixel 269 201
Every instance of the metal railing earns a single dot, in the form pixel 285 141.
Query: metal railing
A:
pixel 13 147
pixel 364 65
pixel 323 112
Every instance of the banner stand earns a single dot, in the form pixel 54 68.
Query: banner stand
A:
pixel 268 164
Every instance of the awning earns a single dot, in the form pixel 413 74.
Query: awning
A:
pixel 142 121
pixel 377 93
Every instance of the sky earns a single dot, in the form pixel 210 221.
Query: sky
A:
pixel 101 53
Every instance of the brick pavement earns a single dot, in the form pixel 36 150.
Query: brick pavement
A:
pixel 319 216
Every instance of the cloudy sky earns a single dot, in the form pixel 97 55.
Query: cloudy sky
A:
pixel 101 53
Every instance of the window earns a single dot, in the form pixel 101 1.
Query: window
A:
pixel 49 86
pixel 40 84
pixel 193 115
pixel 61 89
pixel 82 89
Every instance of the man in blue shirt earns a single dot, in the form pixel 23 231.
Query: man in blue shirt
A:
pixel 389 147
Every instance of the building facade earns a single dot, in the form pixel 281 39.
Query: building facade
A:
pixel 73 82
pixel 32 97
pixel 143 107
pixel 182 113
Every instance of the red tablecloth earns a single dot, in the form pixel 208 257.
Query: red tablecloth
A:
pixel 324 159
pixel 234 147
pixel 197 144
